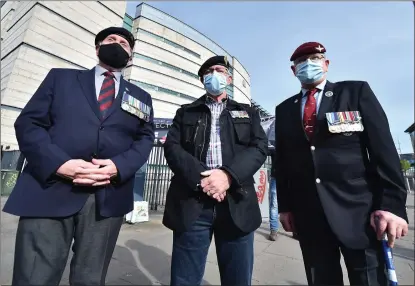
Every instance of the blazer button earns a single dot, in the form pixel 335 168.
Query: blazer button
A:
pixel 312 148
pixel 318 181
pixel 94 155
pixel 101 128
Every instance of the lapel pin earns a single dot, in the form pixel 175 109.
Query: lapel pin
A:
pixel 328 93
pixel 295 101
pixel 127 89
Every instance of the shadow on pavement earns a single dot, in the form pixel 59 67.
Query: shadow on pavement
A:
pixel 404 252
pixel 131 276
pixel 159 264
pixel 290 282
pixel 264 231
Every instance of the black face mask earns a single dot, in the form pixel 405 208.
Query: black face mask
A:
pixel 113 55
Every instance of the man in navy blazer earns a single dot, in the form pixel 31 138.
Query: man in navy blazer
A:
pixel 84 135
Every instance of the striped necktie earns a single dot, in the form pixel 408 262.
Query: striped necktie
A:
pixel 107 93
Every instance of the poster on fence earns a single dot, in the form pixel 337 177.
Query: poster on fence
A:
pixel 140 211
pixel 261 188
pixel 138 214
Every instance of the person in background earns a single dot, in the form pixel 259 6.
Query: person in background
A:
pixel 338 172
pixel 214 147
pixel 273 204
pixel 84 133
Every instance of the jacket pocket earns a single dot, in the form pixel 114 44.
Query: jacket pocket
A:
pixel 243 130
pixel 190 128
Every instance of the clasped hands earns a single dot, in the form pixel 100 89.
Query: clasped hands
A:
pixel 88 173
pixel 215 184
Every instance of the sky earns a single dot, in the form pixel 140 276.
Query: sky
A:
pixel 369 41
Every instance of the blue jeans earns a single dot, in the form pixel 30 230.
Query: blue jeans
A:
pixel 234 250
pixel 273 205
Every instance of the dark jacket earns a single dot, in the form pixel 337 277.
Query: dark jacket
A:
pixel 344 175
pixel 244 150
pixel 62 121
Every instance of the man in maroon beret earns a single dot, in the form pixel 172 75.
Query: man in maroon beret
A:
pixel 339 181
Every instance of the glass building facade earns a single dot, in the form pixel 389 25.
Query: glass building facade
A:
pixel 128 22
pixel 167 57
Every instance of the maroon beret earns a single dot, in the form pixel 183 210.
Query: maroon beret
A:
pixel 307 49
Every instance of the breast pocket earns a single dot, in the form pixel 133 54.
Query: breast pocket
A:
pixel 242 130
pixel 347 139
pixel 190 128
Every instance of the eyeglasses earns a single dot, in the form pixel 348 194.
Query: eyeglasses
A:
pixel 218 69
pixel 313 58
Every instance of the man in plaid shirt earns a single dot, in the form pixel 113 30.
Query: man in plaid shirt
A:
pixel 214 147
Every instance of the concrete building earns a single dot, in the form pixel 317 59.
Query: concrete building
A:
pixel 39 35
pixel 411 131
pixel 167 56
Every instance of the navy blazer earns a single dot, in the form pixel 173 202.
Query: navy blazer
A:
pixel 61 122
pixel 342 177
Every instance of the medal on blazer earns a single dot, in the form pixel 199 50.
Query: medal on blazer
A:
pixel 239 114
pixel 346 121
pixel 135 107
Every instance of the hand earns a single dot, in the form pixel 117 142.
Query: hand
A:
pixel 97 176
pixel 217 181
pixel 72 167
pixel 395 226
pixel 287 221
pixel 220 197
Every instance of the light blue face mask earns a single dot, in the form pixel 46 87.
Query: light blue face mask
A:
pixel 309 72
pixel 215 83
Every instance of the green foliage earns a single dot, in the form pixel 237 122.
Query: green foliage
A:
pixel 405 165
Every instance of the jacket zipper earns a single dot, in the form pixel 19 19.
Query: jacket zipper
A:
pixel 197 129
pixel 204 139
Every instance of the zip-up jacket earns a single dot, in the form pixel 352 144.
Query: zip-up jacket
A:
pixel 244 150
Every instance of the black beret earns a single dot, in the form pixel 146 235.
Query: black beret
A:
pixel 308 49
pixel 117 31
pixel 216 60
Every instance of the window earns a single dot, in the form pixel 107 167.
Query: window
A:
pixel 160 38
pixel 172 67
pixel 229 90
pixel 128 19
pixel 12 160
pixel 161 89
pixel 126 26
pixel 128 22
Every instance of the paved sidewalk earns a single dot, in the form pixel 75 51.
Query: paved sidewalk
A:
pixel 142 256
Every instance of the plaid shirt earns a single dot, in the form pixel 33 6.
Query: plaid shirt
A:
pixel 214 153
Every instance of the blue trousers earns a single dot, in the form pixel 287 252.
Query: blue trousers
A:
pixel 234 249
pixel 273 205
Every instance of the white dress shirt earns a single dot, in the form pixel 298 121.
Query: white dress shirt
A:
pixel 99 79
pixel 318 96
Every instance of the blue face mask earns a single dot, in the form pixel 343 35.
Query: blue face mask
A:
pixel 215 83
pixel 309 72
